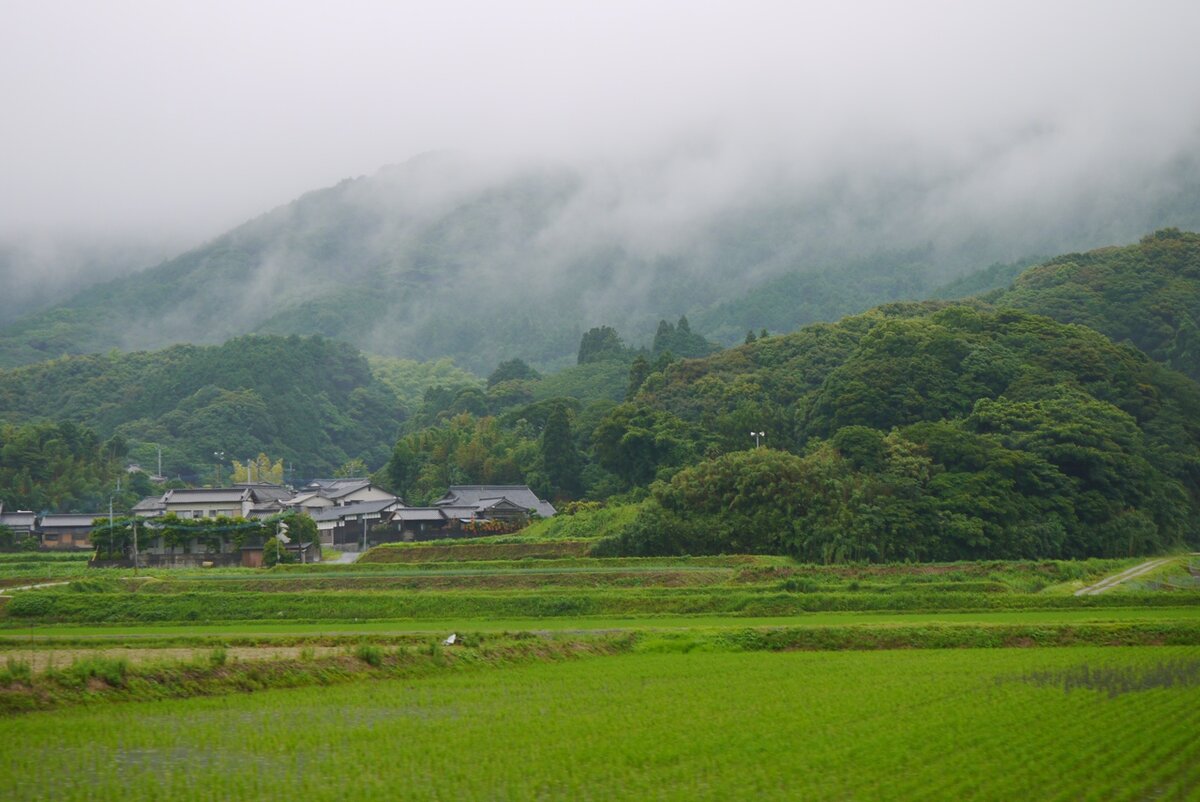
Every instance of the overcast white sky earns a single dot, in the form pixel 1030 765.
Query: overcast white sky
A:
pixel 124 116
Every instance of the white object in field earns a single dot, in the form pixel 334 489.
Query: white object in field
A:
pixel 450 641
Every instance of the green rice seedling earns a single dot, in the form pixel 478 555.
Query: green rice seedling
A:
pixel 698 725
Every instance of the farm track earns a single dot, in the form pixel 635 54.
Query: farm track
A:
pixel 1108 583
pixel 33 587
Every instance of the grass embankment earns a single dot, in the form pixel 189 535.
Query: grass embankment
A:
pixel 512 548
pixel 996 724
pixel 108 676
pixel 51 606
pixel 116 679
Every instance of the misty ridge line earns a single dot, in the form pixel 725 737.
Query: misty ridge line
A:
pixel 447 255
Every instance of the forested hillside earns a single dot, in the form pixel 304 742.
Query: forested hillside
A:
pixel 932 430
pixel 441 257
pixel 63 467
pixel 1147 294
pixel 949 434
pixel 310 401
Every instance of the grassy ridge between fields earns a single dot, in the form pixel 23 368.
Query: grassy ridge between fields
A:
pixel 93 679
pixel 51 606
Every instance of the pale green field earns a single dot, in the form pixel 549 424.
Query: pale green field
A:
pixel 847 725
pixel 16 634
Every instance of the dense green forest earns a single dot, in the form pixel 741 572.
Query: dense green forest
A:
pixel 64 467
pixel 951 433
pixel 916 431
pixel 1147 294
pixel 309 401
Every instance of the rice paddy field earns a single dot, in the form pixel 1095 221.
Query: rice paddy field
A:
pixel 972 724
pixel 574 677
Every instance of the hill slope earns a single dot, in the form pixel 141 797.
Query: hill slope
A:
pixel 443 257
pixel 926 432
pixel 310 401
pixel 1147 294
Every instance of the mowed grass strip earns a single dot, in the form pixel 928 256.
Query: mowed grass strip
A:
pixel 849 725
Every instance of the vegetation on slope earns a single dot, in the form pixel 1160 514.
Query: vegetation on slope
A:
pixel 310 401
pixel 1147 294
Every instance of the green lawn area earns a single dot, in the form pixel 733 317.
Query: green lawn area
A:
pixel 1063 723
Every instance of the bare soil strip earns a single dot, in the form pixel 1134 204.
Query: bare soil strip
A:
pixel 1110 582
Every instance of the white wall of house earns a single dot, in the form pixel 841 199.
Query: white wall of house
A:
pixel 203 509
pixel 365 494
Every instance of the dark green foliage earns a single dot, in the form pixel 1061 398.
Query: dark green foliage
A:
pixel 463 450
pixel 679 340
pixel 638 372
pixel 933 433
pixel 275 553
pixel 513 369
pixel 1148 294
pixel 599 344
pixel 560 459
pixel 635 443
pixel 11 541
pixel 61 467
pixel 311 401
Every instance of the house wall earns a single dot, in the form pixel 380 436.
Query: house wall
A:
pixel 66 539
pixel 231 509
pixel 365 494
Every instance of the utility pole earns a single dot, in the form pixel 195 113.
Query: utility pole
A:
pixel 220 455
pixel 133 523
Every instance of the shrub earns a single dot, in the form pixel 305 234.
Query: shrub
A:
pixel 370 654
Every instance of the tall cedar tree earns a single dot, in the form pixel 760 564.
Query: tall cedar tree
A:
pixel 559 456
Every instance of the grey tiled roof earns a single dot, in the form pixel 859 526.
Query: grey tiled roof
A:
pixel 350 510
pixel 18 520
pixel 481 496
pixel 149 504
pixel 336 488
pixel 71 519
pixel 420 514
pixel 209 495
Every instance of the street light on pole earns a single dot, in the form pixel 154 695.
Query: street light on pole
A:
pixel 220 455
pixel 757 437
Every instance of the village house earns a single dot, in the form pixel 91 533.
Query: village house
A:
pixel 497 502
pixel 322 494
pixel 351 524
pixel 21 522
pixel 462 511
pixel 67 532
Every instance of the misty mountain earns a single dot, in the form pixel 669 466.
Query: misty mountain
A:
pixel 39 269
pixel 443 256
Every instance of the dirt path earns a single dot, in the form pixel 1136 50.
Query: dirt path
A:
pixel 1110 582
pixel 6 591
